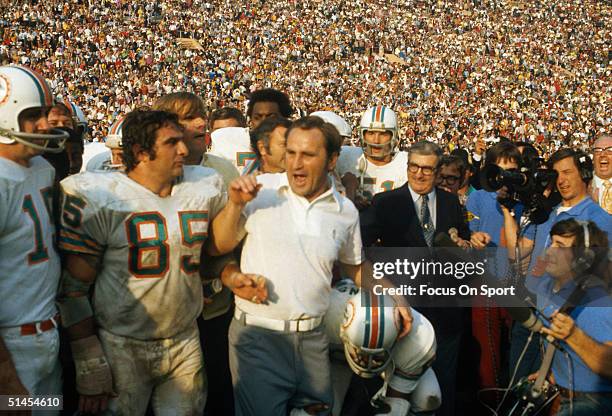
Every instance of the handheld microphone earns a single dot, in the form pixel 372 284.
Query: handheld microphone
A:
pixel 519 310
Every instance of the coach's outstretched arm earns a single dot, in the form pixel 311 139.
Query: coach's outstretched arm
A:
pixel 93 376
pixel 226 229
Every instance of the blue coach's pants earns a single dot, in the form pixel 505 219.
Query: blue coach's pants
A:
pixel 273 372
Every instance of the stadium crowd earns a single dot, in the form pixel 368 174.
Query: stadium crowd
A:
pixel 534 71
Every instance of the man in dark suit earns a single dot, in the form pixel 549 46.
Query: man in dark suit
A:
pixel 410 216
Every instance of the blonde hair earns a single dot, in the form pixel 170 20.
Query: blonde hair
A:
pixel 184 104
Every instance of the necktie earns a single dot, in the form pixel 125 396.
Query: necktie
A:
pixel 606 197
pixel 426 222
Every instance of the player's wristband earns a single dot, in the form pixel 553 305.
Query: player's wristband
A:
pixel 93 374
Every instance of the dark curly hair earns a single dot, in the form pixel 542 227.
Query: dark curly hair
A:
pixel 273 96
pixel 139 129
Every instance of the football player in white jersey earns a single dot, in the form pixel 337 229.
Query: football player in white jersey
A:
pixel 136 237
pixel 110 160
pixel 234 145
pixel 365 328
pixel 377 166
pixel 29 340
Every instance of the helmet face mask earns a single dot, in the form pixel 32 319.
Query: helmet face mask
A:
pixel 378 150
pixel 52 142
pixel 366 363
pixel 24 91
pixel 378 119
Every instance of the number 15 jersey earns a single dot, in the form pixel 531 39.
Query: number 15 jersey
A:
pixel 148 284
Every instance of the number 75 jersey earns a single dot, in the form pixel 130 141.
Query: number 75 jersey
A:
pixel 148 285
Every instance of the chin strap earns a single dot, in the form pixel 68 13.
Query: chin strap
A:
pixel 380 394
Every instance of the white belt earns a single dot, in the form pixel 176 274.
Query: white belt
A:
pixel 304 324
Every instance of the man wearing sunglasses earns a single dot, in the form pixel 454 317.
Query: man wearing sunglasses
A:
pixel 602 180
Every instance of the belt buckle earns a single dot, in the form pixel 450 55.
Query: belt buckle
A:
pixel 301 319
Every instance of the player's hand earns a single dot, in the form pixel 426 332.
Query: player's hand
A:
pixel 404 314
pixel 562 326
pixel 94 380
pixel 480 239
pixel 251 287
pixel 243 189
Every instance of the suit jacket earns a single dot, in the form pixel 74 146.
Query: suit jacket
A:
pixel 393 222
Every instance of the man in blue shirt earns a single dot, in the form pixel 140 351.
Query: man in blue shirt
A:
pixel 579 249
pixel 575 171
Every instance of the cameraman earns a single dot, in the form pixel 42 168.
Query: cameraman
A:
pixel 486 222
pixel 577 250
pixel 575 171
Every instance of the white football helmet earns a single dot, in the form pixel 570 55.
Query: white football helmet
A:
pixel 114 138
pixel 344 128
pixel 379 118
pixel 369 332
pixel 78 117
pixel 21 89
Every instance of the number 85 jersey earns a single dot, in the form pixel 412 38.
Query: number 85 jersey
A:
pixel 148 285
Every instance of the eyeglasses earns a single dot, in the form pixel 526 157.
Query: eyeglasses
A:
pixel 449 179
pixel 427 170
pixel 601 150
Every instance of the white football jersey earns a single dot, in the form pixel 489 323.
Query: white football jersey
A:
pixel 100 162
pixel 375 179
pixel 148 286
pixel 29 263
pixel 90 151
pixel 233 144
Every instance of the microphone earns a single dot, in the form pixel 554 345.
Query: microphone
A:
pixel 445 240
pixel 525 316
pixel 519 311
